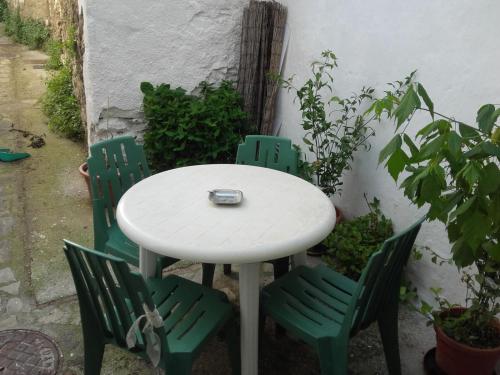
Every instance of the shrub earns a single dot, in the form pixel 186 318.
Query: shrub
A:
pixel 61 106
pixel 353 242
pixel 188 130
pixel 3 10
pixel 28 31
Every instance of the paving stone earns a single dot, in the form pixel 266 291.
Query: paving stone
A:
pixel 55 316
pixel 6 276
pixel 14 305
pixel 12 289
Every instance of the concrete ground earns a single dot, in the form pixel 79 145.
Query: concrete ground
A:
pixel 43 200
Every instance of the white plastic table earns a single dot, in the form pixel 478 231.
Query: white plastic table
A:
pixel 169 214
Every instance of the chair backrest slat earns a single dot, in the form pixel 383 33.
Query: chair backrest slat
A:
pixel 110 292
pixel 269 152
pixel 380 280
pixel 114 166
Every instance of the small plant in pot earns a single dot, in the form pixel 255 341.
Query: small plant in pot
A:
pixel 334 128
pixel 453 169
pixel 352 242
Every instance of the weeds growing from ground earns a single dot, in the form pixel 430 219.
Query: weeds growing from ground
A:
pixel 28 31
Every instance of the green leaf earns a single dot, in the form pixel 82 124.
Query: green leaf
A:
pixel 434 125
pixel 493 250
pixel 485 118
pixel 475 228
pixel 462 208
pixel 490 179
pixel 425 97
pixel 471 173
pixel 430 189
pixel 462 254
pixel 431 148
pixel 454 143
pixel 491 149
pixel 467 131
pixel 394 144
pixel 396 163
pixel 147 88
pixel 410 144
pixel 409 103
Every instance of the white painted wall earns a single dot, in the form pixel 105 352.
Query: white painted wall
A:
pixel 453 46
pixel 180 42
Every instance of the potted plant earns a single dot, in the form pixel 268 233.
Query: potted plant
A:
pixel 352 242
pixel 334 128
pixel 453 169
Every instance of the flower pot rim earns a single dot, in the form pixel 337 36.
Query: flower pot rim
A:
pixel 461 346
pixel 84 169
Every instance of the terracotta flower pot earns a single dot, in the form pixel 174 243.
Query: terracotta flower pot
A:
pixel 454 358
pixel 339 215
pixel 84 172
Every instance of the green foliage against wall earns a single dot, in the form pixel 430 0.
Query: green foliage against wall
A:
pixel 28 31
pixel 188 130
pixel 59 102
pixel 61 106
pixel 3 9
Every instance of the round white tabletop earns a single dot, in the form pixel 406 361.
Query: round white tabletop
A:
pixel 169 213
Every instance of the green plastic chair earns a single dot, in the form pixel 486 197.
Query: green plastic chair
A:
pixel 112 298
pixel 269 152
pixel 114 166
pixel 325 308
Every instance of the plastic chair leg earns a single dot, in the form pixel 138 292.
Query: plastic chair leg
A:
pixel 281 267
pixel 208 274
pixel 227 269
pixel 94 352
pixel 388 326
pixel 179 366
pixel 333 357
pixel 233 344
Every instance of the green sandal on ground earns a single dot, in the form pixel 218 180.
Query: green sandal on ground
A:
pixel 7 156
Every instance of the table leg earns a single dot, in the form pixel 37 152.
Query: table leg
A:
pixel 147 263
pixel 249 310
pixel 299 259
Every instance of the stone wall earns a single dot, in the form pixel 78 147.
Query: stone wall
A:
pixel 38 9
pixel 62 16
pixel 178 42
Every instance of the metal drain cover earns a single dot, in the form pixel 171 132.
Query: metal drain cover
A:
pixel 26 352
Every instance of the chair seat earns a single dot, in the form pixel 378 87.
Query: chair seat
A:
pixel 191 313
pixel 311 302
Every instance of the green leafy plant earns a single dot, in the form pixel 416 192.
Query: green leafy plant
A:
pixel 335 128
pixel 61 106
pixel 28 31
pixel 352 243
pixel 54 49
pixel 187 129
pixel 4 8
pixel 59 102
pixel 453 168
